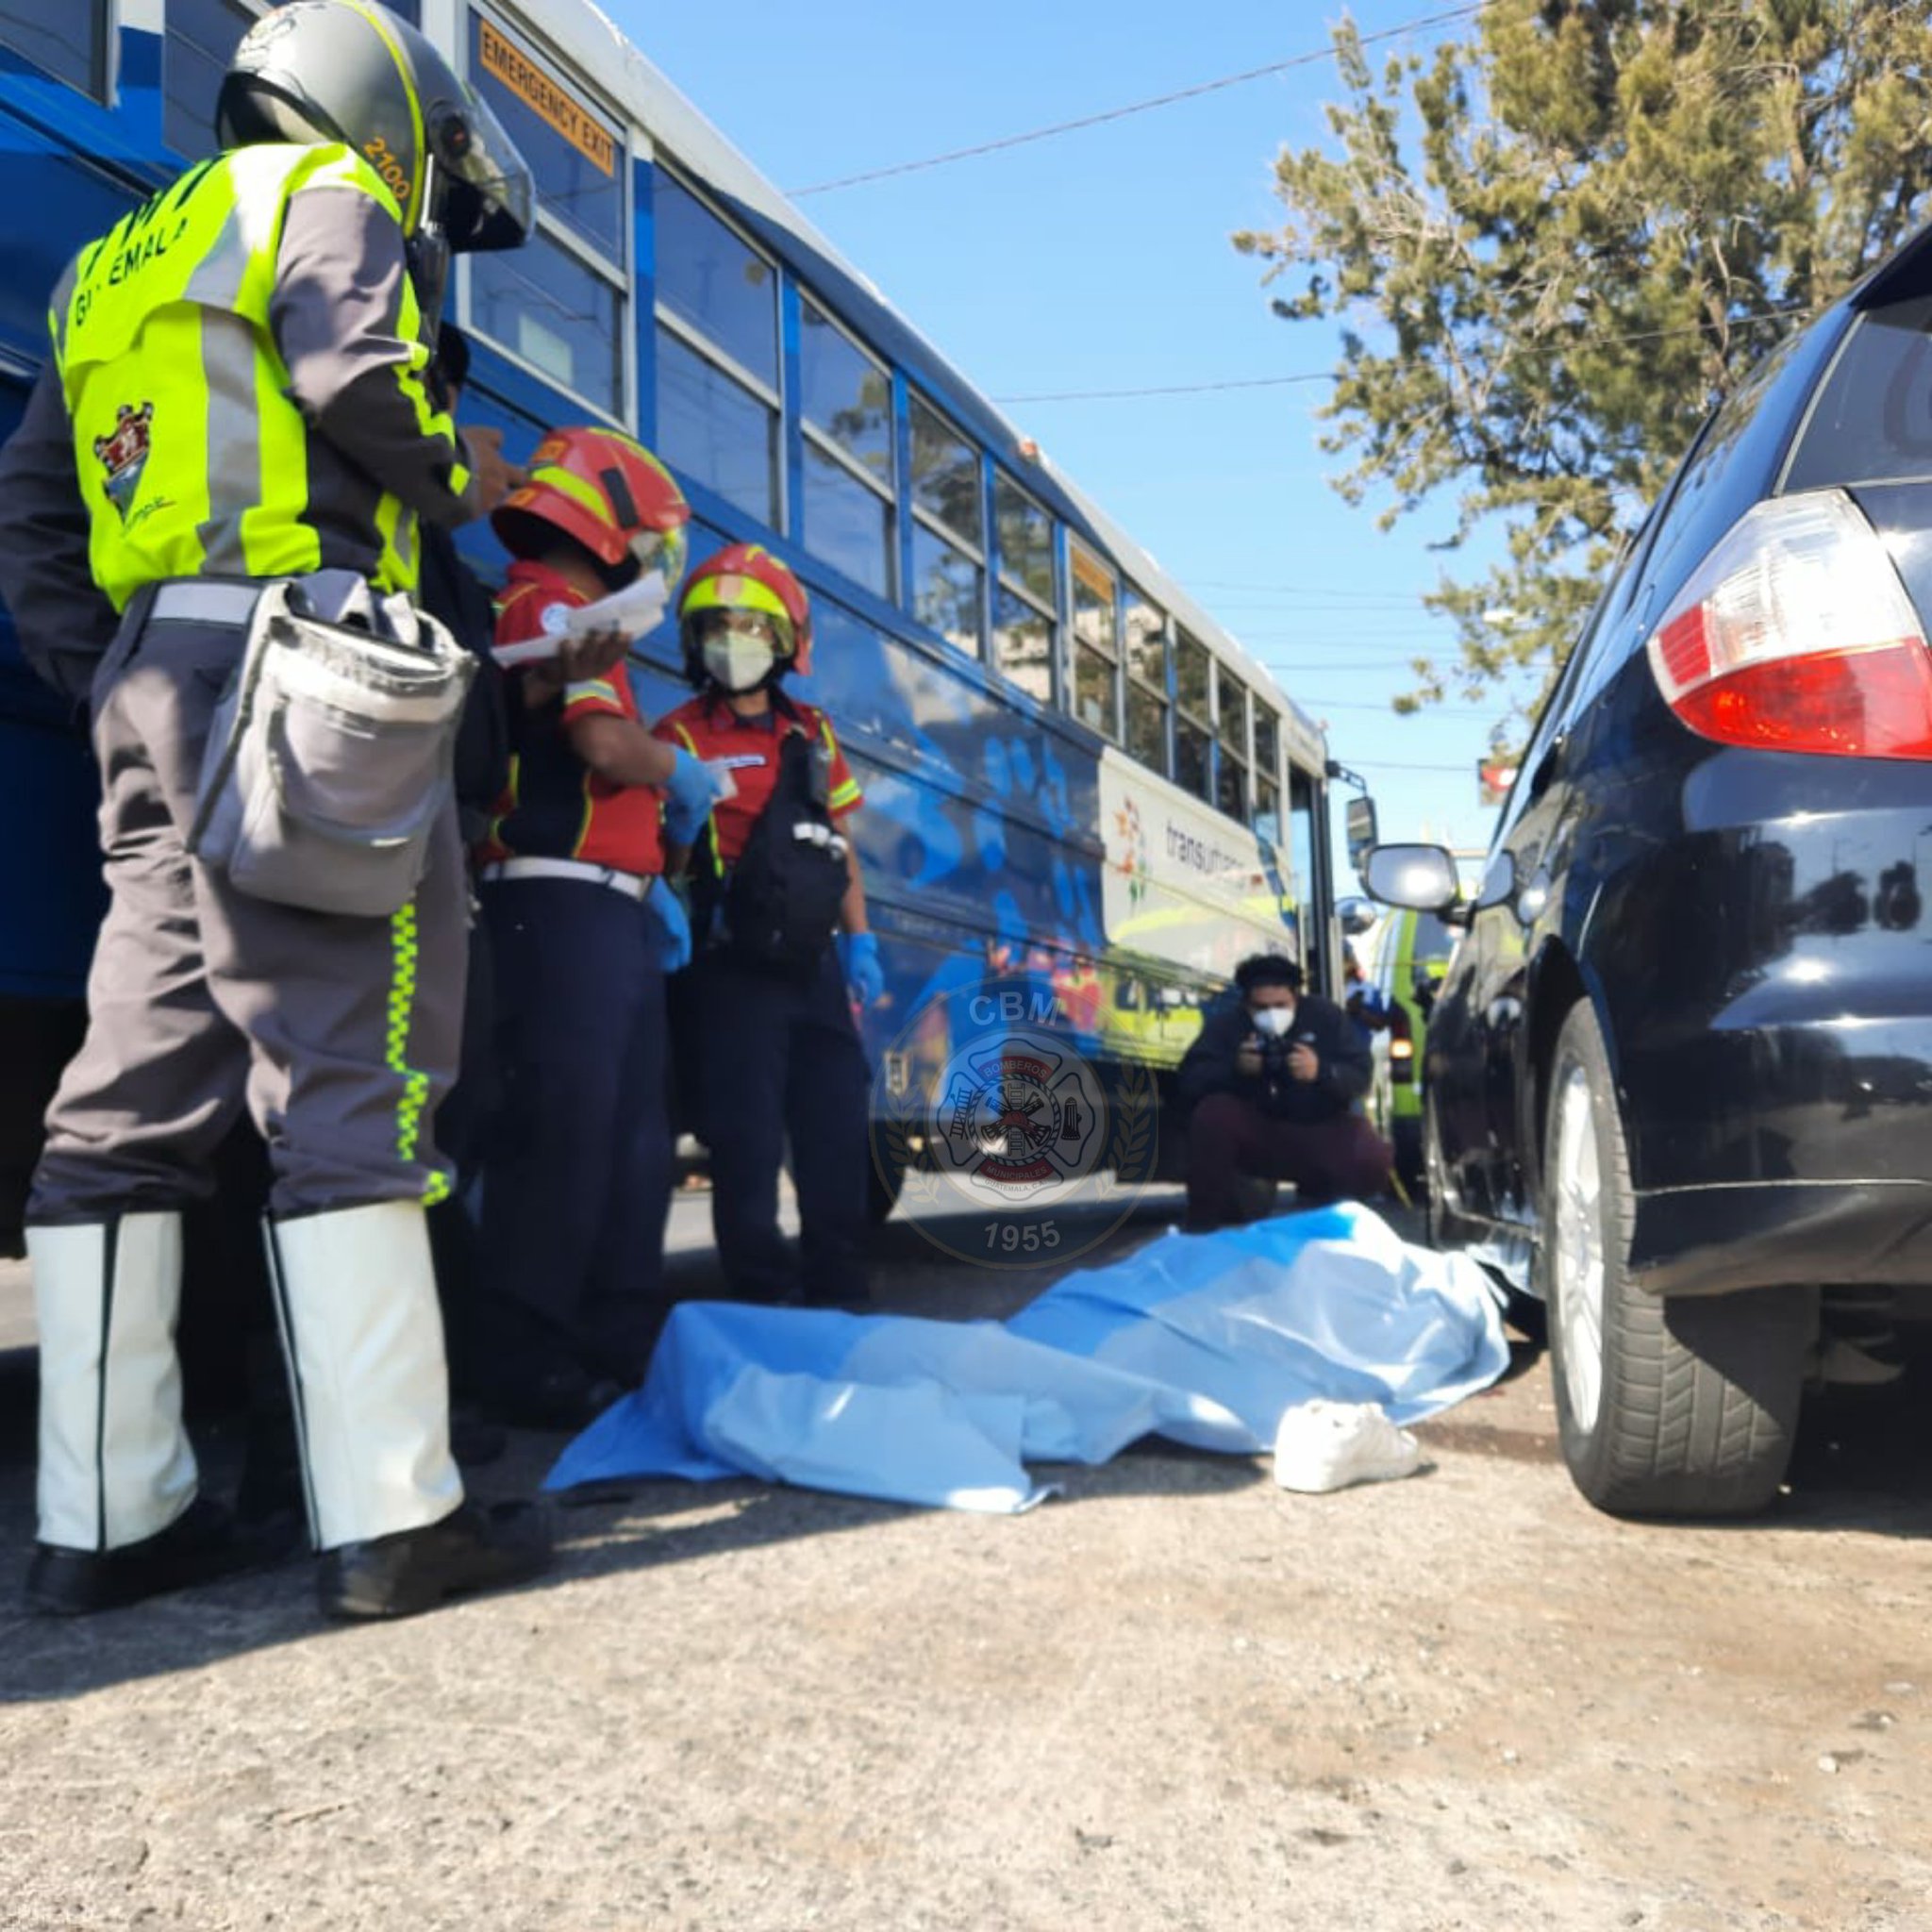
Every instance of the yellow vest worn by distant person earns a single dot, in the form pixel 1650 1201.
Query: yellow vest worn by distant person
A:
pixel 191 458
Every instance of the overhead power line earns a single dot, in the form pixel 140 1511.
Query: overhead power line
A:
pixel 1275 670
pixel 1281 589
pixel 1386 706
pixel 1397 765
pixel 1171 388
pixel 1146 106
pixel 1784 313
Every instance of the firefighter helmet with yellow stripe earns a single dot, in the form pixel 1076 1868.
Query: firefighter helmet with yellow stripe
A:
pixel 606 491
pixel 747 577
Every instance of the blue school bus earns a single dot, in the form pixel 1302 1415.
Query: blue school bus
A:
pixel 1075 780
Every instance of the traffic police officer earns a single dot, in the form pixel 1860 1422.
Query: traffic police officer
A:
pixel 577 1175
pixel 773 1056
pixel 236 399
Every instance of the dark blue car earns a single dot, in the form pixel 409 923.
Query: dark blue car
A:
pixel 1680 1076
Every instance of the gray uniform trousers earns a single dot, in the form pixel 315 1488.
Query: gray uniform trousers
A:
pixel 338 1034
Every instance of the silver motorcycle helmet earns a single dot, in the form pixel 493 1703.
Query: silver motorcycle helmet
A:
pixel 350 71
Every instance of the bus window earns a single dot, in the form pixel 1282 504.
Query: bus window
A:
pixel 1025 530
pixel 202 35
pixel 1023 623
pixel 67 38
pixel 557 303
pixel 948 538
pixel 717 353
pixel 1231 715
pixel 551 311
pixel 1146 630
pixel 1096 699
pixel 945 590
pixel 1194 729
pixel 846 405
pixel 1023 644
pixel 575 152
pixel 722 289
pixel 1266 774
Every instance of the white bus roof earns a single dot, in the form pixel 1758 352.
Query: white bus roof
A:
pixel 596 47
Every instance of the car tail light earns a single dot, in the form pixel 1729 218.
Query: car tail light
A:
pixel 1795 634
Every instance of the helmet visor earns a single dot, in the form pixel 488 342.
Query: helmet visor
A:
pixel 483 197
pixel 749 629
pixel 661 550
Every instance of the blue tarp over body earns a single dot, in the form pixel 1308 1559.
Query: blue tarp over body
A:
pixel 1203 1339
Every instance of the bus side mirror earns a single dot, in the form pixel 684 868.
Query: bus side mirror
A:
pixel 1361 828
pixel 1357 915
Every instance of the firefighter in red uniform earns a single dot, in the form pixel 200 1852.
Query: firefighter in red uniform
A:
pixel 576 1175
pixel 777 1052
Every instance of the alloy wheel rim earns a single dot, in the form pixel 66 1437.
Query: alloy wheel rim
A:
pixel 1578 1249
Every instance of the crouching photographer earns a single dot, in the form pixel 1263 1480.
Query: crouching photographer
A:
pixel 1271 1087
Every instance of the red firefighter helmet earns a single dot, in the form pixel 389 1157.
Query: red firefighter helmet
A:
pixel 607 491
pixel 747 576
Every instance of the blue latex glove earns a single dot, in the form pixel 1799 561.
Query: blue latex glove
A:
pixel 865 979
pixel 689 795
pixel 671 928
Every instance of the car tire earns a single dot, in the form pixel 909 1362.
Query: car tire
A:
pixel 1667 1408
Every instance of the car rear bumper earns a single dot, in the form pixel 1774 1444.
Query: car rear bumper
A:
pixel 1769 1234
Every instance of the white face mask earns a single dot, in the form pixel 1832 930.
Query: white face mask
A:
pixel 737 663
pixel 1274 1020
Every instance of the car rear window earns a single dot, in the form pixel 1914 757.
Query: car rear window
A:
pixel 1873 419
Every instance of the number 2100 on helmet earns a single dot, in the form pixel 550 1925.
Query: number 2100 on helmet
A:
pixel 317 71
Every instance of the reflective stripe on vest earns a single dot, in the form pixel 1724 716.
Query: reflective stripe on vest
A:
pixel 192 458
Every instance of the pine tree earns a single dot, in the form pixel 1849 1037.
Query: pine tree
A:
pixel 1555 245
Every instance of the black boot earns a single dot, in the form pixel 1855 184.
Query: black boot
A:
pixel 199 1546
pixel 415 1570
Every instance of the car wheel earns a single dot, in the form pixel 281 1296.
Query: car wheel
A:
pixel 1680 1408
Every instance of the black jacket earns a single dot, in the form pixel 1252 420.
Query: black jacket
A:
pixel 1345 1065
pixel 452 592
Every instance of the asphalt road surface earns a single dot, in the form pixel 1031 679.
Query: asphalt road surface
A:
pixel 1177 1697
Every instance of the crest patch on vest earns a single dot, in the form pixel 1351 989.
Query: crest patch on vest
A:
pixel 124 455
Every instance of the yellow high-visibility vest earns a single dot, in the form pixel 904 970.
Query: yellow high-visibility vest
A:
pixel 191 458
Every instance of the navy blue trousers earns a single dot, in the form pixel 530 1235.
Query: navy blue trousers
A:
pixel 777 1060
pixel 576 1175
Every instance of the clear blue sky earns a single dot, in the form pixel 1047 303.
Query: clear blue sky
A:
pixel 1101 260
